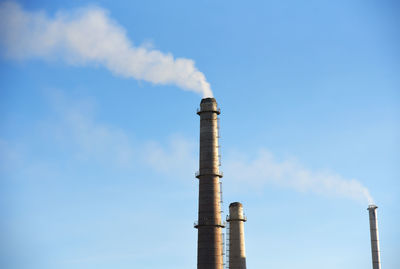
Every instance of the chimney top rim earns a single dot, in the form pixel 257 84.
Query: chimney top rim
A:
pixel 208 100
pixel 235 204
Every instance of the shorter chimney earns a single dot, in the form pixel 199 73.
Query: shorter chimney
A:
pixel 373 226
pixel 236 219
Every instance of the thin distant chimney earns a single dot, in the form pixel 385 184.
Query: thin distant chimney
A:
pixel 237 253
pixel 373 224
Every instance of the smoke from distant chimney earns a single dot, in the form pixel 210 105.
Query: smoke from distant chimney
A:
pixel 267 169
pixel 89 36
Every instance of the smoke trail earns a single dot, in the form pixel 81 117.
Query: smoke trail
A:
pixel 266 169
pixel 89 36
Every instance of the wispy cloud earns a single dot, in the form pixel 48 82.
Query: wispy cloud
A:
pixel 264 169
pixel 91 140
pixel 11 156
pixel 90 36
pixel 74 124
pixel 177 157
pixel 73 130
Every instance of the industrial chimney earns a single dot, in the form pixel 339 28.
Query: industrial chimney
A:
pixel 373 225
pixel 237 253
pixel 209 225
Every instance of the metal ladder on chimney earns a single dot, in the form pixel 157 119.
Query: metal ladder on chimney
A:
pixel 224 247
pixel 227 246
pixel 223 250
pixel 222 234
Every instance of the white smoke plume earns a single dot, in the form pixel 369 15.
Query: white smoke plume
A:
pixel 265 169
pixel 89 36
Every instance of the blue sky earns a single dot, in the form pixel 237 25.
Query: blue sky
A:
pixel 97 163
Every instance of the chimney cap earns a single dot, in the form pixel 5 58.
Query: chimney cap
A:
pixel 372 207
pixel 208 104
pixel 236 204
pixel 208 100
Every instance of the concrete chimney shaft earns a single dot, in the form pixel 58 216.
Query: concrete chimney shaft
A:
pixel 237 253
pixel 373 225
pixel 209 225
